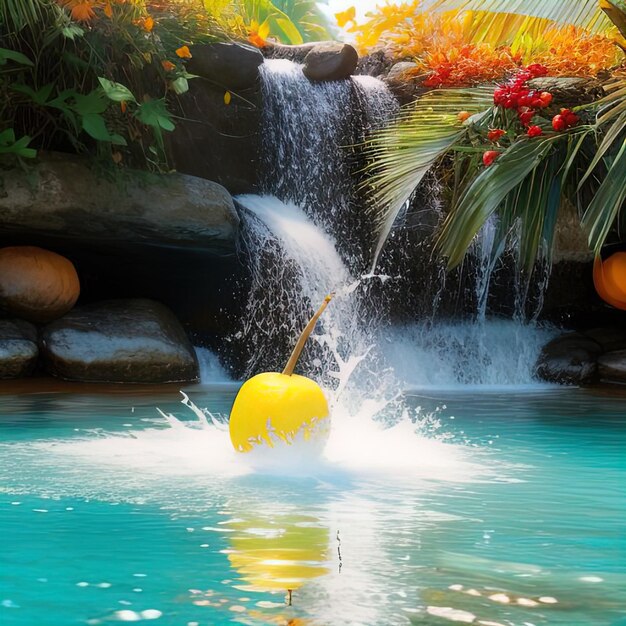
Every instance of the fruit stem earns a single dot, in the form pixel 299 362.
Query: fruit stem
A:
pixel 306 333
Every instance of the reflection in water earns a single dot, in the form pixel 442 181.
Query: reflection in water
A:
pixel 277 552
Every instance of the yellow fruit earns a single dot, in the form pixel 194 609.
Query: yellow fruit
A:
pixel 272 408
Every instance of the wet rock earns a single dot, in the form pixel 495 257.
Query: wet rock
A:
pixel 330 61
pixel 296 54
pixel 18 348
pixel 612 366
pixel 36 284
pixel 402 83
pixel 569 359
pixel 377 63
pixel 63 197
pixel 119 341
pixel 610 339
pixel 231 66
pixel 218 141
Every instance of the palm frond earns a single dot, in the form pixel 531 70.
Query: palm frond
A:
pixel 401 154
pixel 583 13
pixel 616 12
pixel 520 178
pixel 607 202
pixel 17 14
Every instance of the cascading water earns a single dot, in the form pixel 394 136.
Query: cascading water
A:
pixel 301 268
pixel 301 243
pixel 310 131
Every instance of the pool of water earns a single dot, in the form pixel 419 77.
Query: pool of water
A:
pixel 511 512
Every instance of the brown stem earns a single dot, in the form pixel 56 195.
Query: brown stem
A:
pixel 306 333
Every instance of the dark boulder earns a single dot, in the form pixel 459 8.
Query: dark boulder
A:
pixel 216 138
pixel 119 341
pixel 569 359
pixel 402 82
pixel 296 54
pixel 230 66
pixel 612 366
pixel 377 63
pixel 62 196
pixel 18 348
pixel 609 338
pixel 330 61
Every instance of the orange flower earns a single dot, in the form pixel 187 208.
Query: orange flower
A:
pixel 183 52
pixel 147 23
pixel 258 33
pixel 255 40
pixel 168 66
pixel 81 10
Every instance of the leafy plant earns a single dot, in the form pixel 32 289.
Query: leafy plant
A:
pixel 459 43
pixel 516 156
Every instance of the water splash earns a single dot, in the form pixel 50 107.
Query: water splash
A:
pixel 197 445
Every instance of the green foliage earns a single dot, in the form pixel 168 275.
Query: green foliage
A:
pixel 17 147
pixel 401 154
pixel 288 21
pixel 77 87
pixel 525 187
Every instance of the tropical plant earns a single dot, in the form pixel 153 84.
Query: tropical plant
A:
pixel 94 75
pixel 454 46
pixel 512 158
pixel 286 21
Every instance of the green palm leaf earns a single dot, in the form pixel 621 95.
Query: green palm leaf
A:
pixel 401 154
pixel 513 178
pixel 607 202
pixel 20 13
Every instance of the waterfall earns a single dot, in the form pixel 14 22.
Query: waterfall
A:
pixel 295 265
pixel 306 236
pixel 309 135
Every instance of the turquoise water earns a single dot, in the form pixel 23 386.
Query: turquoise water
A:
pixel 515 515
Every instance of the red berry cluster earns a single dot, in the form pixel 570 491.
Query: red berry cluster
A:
pixel 527 102
pixel 516 95
pixel 564 120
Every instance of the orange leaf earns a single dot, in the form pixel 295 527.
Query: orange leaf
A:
pixel 108 10
pixel 148 23
pixel 123 106
pixel 168 66
pixel 83 11
pixel 183 52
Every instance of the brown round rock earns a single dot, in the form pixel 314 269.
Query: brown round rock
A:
pixel 36 284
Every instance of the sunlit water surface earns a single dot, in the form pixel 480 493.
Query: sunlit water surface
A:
pixel 511 512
